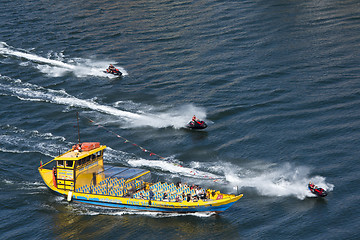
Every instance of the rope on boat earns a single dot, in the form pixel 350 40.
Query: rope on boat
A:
pixel 194 172
pixel 125 140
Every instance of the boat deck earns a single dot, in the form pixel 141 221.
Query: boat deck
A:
pixel 141 190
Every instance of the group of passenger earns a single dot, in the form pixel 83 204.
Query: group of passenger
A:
pixel 200 193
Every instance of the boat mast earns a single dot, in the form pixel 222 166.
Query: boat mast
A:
pixel 77 117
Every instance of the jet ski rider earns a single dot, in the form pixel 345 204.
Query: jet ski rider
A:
pixel 111 68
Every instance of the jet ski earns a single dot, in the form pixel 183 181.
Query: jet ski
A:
pixel 196 124
pixel 320 192
pixel 113 71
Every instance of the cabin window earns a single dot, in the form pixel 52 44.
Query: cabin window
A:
pixel 99 153
pixel 79 163
pixel 60 163
pixel 69 164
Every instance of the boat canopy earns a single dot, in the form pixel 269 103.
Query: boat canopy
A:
pixel 124 172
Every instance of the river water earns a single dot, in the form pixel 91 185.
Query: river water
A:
pixel 276 81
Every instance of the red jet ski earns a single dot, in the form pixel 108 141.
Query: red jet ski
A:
pixel 113 70
pixel 197 124
pixel 320 192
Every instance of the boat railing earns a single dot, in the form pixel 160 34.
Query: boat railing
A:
pixel 112 186
pixel 43 165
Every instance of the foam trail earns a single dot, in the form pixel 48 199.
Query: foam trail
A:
pixel 56 68
pixel 175 168
pixel 274 180
pixel 176 118
pixel 5 50
pixel 166 165
pixel 30 92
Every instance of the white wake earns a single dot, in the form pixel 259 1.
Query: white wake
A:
pixel 176 118
pixel 56 65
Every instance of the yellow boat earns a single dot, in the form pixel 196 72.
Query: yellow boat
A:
pixel 80 176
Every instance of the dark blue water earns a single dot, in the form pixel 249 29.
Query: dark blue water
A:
pixel 277 82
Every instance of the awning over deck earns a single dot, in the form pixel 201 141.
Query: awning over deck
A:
pixel 124 172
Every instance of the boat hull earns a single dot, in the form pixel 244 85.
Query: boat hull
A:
pixel 156 206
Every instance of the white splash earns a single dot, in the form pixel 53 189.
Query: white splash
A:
pixel 176 118
pixel 276 180
pixel 175 168
pixel 55 66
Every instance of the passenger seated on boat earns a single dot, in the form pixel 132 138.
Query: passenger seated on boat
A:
pixel 208 192
pixel 197 192
pixel 131 189
pixel 201 194
pixel 165 196
pixel 188 197
pixel 151 194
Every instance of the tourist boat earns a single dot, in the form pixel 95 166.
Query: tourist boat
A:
pixel 80 176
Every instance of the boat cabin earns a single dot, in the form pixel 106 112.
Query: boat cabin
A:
pixel 82 168
pixel 78 165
